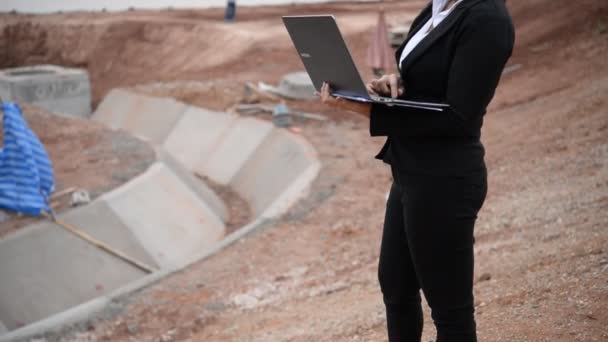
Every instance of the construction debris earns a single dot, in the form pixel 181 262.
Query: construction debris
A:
pixel 253 109
pixel 4 216
pixel 80 197
pixel 281 116
pixel 294 86
pixel 253 94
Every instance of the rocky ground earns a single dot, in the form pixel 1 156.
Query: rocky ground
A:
pixel 541 255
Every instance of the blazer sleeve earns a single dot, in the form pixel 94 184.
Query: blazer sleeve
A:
pixel 484 45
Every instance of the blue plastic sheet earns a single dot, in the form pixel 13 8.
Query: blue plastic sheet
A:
pixel 26 172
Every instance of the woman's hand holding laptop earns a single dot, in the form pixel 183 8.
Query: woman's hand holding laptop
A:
pixel 387 85
pixel 341 103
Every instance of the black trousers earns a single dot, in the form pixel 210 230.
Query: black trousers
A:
pixel 427 244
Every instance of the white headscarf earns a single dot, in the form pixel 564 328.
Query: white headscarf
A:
pixel 438 7
pixel 438 15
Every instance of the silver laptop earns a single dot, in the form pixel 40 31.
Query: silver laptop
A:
pixel 326 58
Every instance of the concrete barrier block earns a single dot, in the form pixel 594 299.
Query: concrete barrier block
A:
pixel 165 217
pixel 46 269
pixel 151 118
pixel 277 162
pixel 196 134
pixel 234 149
pixel 290 195
pixel 55 88
pixel 99 221
pixel 114 107
pixel 170 220
pixel 195 184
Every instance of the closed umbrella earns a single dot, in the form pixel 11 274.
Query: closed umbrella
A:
pixel 379 52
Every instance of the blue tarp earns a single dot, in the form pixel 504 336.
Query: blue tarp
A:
pixel 26 173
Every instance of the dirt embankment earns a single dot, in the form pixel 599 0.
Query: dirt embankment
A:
pixel 134 47
pixel 541 238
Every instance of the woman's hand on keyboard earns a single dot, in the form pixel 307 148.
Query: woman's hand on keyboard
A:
pixel 387 85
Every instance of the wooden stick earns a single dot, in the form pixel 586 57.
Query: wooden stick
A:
pixel 102 245
pixel 63 192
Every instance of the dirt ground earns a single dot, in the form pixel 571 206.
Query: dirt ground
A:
pixel 542 235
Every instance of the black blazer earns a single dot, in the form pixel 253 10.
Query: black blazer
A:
pixel 459 63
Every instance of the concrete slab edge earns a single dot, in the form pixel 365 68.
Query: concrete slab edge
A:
pixel 70 315
pixel 56 322
pixel 300 186
pixel 295 191
pixel 94 309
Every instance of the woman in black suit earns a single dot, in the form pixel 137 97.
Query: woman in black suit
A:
pixel 455 54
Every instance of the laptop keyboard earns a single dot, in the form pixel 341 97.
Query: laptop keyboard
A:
pixel 380 98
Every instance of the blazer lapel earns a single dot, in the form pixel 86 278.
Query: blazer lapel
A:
pixel 425 15
pixel 436 33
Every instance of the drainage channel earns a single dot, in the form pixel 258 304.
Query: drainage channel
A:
pixel 166 217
